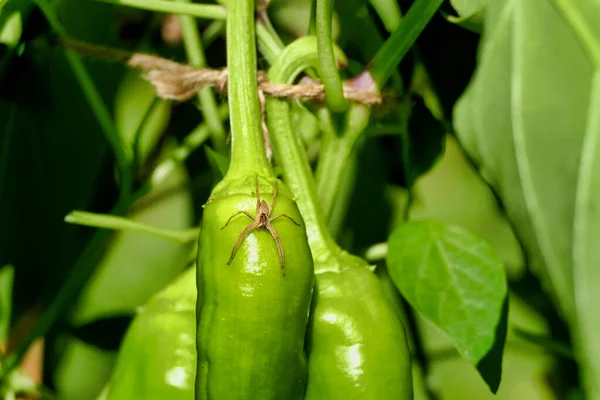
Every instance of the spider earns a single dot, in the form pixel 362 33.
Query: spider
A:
pixel 261 220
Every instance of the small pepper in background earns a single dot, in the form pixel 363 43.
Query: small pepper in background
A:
pixel 157 359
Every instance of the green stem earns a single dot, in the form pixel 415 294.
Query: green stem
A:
pixel 207 11
pixel 213 31
pixel 269 43
pixel 336 151
pixel 334 92
pixel 123 157
pixel 299 55
pixel 206 97
pixel 107 221
pixel 248 155
pixel 392 52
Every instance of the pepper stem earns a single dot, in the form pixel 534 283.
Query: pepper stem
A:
pixel 248 155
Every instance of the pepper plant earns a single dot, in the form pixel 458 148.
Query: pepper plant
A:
pixel 375 200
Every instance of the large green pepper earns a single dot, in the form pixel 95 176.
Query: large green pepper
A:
pixel 255 271
pixel 357 345
pixel 157 359
pixel 253 319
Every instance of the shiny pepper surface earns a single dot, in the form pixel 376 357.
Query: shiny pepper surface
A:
pixel 157 359
pixel 252 318
pixel 358 348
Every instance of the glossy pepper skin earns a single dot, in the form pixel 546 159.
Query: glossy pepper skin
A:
pixel 358 348
pixel 252 319
pixel 157 359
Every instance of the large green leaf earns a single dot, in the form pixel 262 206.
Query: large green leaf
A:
pixel 456 281
pixel 530 119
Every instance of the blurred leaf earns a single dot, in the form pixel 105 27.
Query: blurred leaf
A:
pixel 471 14
pixel 6 288
pixel 456 281
pixel 530 120
pixel 219 163
pixel 105 333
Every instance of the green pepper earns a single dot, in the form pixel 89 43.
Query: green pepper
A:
pixel 255 270
pixel 157 359
pixel 357 345
pixel 253 319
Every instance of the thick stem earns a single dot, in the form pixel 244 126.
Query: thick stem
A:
pixel 247 144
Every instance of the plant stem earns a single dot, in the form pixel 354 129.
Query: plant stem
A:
pixel 107 221
pixel 207 11
pixel 269 43
pixel 123 157
pixel 392 52
pixel 336 149
pixel 299 55
pixel 206 97
pixel 248 155
pixel 334 93
pixel 213 31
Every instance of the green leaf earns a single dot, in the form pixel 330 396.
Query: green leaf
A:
pixel 456 281
pixel 530 120
pixel 7 273
pixel 471 14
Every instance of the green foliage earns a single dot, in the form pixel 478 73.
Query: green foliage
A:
pixel 87 142
pixel 456 281
pixel 529 119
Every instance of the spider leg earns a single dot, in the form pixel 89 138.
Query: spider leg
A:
pixel 283 216
pixel 241 238
pixel 279 247
pixel 235 215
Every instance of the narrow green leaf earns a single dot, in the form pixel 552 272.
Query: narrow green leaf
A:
pixel 7 273
pixel 456 281
pixel 125 224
